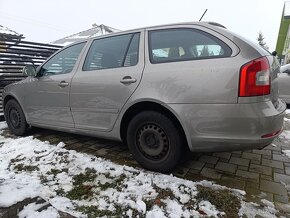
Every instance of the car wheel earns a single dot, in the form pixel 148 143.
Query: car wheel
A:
pixel 15 118
pixel 154 141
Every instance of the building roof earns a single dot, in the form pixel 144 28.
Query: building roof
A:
pixel 6 32
pixel 95 31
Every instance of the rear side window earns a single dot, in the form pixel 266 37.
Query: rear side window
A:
pixel 113 52
pixel 185 44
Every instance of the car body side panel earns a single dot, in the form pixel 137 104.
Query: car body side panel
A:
pixel 284 83
pixel 284 87
pixel 206 81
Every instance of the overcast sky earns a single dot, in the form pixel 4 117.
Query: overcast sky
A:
pixel 46 21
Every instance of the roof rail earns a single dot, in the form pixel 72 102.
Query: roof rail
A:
pixel 216 24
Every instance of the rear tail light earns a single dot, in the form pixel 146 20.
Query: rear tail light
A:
pixel 255 78
pixel 269 135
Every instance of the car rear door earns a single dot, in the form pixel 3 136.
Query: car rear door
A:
pixel 111 71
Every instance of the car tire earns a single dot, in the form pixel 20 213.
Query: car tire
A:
pixel 15 118
pixel 154 141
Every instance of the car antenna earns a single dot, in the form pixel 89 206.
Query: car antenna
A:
pixel 203 15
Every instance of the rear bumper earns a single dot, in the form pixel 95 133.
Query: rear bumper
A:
pixel 224 127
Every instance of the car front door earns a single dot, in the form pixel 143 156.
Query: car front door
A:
pixel 111 72
pixel 47 101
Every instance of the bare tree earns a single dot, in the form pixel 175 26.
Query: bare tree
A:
pixel 261 41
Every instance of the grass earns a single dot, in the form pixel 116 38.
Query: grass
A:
pixel 93 211
pixel 29 168
pixel 80 190
pixel 116 183
pixel 89 176
pixel 223 200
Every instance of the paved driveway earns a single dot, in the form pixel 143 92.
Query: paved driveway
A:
pixel 263 174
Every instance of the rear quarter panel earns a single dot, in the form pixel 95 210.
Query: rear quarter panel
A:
pixel 206 81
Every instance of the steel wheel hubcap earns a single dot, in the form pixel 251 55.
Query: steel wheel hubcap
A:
pixel 15 118
pixel 152 141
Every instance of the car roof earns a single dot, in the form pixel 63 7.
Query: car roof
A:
pixel 207 24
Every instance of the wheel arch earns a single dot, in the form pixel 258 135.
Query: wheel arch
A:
pixel 149 106
pixel 9 97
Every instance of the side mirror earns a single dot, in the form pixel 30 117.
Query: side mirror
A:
pixel 29 70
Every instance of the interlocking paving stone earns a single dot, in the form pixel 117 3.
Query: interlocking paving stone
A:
pixel 281 198
pixel 272 163
pixel 225 155
pixel 283 207
pixel 233 182
pixel 208 159
pixel 248 175
pixel 243 168
pixel 91 142
pixel 102 151
pixel 96 146
pixel 74 146
pixel 237 152
pixel 266 177
pixel 211 173
pixel 266 195
pixel 239 161
pixel 226 167
pixel 273 148
pixel 261 169
pixel 266 156
pixel 282 178
pixel 287 170
pixel 280 157
pixel 193 171
pixel 209 165
pixel 71 141
pixel 263 152
pixel 255 162
pixel 193 176
pixel 251 156
pixel 236 155
pixel 273 187
pixel 223 160
pixel 278 170
pixel 251 184
pixel 196 165
pixel 180 172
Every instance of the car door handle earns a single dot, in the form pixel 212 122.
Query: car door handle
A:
pixel 128 80
pixel 63 84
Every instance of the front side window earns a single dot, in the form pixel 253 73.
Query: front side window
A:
pixel 185 44
pixel 113 52
pixel 63 62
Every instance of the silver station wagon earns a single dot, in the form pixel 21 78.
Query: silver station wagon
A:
pixel 162 90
